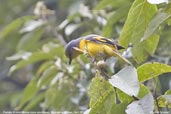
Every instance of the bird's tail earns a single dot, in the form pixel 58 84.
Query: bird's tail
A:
pixel 121 57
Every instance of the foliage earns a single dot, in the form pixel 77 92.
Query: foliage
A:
pixel 37 48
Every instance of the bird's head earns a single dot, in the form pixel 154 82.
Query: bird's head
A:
pixel 72 49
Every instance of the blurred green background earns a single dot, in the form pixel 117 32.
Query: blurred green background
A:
pixel 42 78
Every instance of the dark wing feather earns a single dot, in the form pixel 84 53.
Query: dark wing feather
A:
pixel 102 40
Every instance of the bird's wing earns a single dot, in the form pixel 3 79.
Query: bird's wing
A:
pixel 103 40
pixel 99 39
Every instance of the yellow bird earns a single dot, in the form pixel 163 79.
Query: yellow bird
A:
pixel 95 46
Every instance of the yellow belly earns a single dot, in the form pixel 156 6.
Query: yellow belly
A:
pixel 94 50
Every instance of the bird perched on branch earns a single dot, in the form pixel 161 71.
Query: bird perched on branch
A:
pixel 95 47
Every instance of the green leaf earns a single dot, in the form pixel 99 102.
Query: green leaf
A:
pixel 137 21
pixel 29 92
pixel 69 19
pixel 58 96
pixel 34 102
pixel 102 86
pixel 168 92
pixel 47 76
pixel 141 50
pixel 102 4
pixel 49 52
pixel 13 26
pixel 138 18
pixel 116 109
pixel 29 41
pixel 150 70
pixel 119 108
pixel 164 101
pixel 44 66
pixel 11 97
pixel 102 96
pixel 123 97
pixel 32 58
pixel 19 55
pixel 143 91
pixel 114 3
pixel 150 44
pixel 141 106
pixel 101 105
pixel 126 80
pixel 115 17
pixel 161 101
pixel 154 24
pixel 53 49
pixel 139 53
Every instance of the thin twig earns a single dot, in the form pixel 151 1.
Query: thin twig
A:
pixel 155 97
pixel 101 66
pixel 157 104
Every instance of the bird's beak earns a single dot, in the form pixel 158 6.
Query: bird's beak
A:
pixel 70 60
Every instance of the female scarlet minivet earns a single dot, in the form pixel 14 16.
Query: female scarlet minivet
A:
pixel 94 46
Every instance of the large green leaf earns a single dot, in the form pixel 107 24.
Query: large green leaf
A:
pixel 102 96
pixel 151 70
pixel 104 104
pixel 116 109
pixel 137 21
